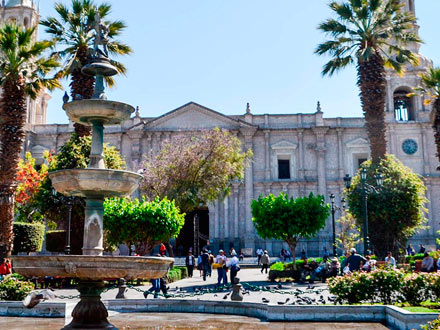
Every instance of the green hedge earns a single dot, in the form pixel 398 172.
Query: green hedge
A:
pixel 13 289
pixel 280 266
pixel 55 240
pixel 28 237
pixel 386 286
pixel 420 256
pixel 176 274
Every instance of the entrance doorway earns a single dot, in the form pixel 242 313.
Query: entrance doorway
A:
pixel 194 234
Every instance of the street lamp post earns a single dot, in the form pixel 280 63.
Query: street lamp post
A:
pixel 333 211
pixel 365 190
pixel 69 218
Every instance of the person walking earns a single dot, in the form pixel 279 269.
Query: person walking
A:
pixel 232 264
pixel 190 261
pixel 211 261
pixel 265 261
pixel 259 254
pixel 204 263
pixel 221 270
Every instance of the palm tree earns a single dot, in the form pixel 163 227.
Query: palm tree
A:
pixel 23 71
pixel 371 34
pixel 431 88
pixel 72 32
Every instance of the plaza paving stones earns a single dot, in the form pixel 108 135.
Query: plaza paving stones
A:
pixel 186 321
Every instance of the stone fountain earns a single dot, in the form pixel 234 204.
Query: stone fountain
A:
pixel 94 184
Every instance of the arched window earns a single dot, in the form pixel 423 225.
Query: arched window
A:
pixel 12 20
pixel 403 105
pixel 26 22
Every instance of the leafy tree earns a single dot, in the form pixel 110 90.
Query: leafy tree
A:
pixel 289 219
pixel 373 35
pixel 349 232
pixel 23 73
pixel 72 32
pixel 29 180
pixel 196 169
pixel 73 154
pixel 431 88
pixel 142 223
pixel 397 211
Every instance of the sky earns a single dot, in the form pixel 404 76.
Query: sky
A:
pixel 225 53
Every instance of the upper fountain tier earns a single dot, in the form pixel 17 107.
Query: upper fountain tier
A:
pixel 86 112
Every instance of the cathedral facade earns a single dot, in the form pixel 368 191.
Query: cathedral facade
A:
pixel 294 153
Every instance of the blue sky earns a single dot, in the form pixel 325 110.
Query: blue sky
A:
pixel 224 53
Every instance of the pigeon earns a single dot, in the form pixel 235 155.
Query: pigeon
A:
pixel 266 301
pixel 226 296
pixel 65 97
pixel 34 298
pixel 331 299
pixel 215 295
pixel 283 302
pixel 279 286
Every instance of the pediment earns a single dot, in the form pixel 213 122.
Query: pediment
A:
pixel 193 116
pixel 38 149
pixel 358 142
pixel 284 145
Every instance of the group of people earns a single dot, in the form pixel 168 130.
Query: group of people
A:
pixel 206 262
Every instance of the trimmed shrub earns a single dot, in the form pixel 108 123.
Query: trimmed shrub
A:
pixel 55 240
pixel 433 280
pixel 353 288
pixel 415 289
pixel 434 325
pixel 13 289
pixel 386 283
pixel 176 274
pixel 28 237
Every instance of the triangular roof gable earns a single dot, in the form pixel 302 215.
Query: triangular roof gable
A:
pixel 358 142
pixel 193 116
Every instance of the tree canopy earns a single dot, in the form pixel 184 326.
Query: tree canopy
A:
pixel 397 211
pixel 289 219
pixel 194 170
pixel 142 223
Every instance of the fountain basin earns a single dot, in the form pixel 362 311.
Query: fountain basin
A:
pixel 95 183
pixel 92 267
pixel 106 112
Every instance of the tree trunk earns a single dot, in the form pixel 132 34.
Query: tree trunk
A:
pixel 82 87
pixel 292 246
pixel 436 127
pixel 371 81
pixel 12 134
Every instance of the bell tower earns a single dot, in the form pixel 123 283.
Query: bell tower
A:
pixel 26 14
pixel 399 107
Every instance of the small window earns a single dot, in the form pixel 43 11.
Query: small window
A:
pixel 283 169
pixel 26 23
pixel 403 107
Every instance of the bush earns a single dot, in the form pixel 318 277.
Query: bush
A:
pixel 28 237
pixel 415 289
pixel 433 280
pixel 280 266
pixel 13 289
pixel 434 325
pixel 386 283
pixel 176 274
pixel 353 288
pixel 55 240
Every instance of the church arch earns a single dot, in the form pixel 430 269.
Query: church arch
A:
pixel 403 105
pixel 26 22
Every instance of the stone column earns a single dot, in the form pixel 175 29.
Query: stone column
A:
pixel 320 152
pixel 340 132
pixel 301 170
pixel 267 154
pixel 93 227
pixel 391 137
pixel 97 151
pixel 236 210
pixel 217 220
pixel 430 208
pixel 226 218
pixel 425 128
pixel 249 190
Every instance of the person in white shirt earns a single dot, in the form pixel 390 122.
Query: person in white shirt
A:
pixel 221 271
pixel 232 264
pixel 259 254
pixel 390 261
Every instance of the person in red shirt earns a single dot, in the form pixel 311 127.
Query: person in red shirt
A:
pixel 5 267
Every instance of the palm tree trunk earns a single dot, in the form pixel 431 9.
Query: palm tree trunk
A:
pixel 371 81
pixel 436 127
pixel 12 134
pixel 82 86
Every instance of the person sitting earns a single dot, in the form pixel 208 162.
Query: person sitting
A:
pixel 427 263
pixel 410 250
pixel 287 255
pixel 369 265
pixel 390 261
pixel 354 260
pixel 321 271
pixel 334 267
